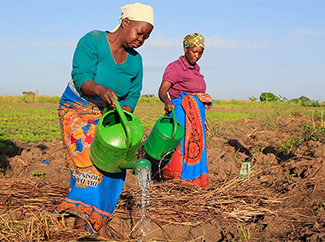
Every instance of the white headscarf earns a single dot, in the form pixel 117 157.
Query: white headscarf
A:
pixel 136 12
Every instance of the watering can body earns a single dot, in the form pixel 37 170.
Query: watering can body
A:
pixel 116 141
pixel 164 137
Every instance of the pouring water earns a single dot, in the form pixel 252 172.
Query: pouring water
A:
pixel 143 174
pixel 164 159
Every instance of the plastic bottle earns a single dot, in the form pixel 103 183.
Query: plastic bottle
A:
pixel 245 170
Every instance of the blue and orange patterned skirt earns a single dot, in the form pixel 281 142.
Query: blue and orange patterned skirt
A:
pixel 93 194
pixel 189 161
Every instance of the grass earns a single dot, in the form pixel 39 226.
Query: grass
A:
pixel 25 119
pixel 29 99
pixel 29 122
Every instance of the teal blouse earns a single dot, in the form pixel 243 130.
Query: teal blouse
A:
pixel 93 60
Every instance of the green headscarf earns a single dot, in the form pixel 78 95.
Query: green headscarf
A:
pixel 195 39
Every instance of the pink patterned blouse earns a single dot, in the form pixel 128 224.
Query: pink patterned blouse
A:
pixel 184 78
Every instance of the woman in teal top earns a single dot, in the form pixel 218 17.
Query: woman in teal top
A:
pixel 105 66
pixel 93 60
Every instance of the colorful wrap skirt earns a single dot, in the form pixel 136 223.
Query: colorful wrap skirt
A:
pixel 189 162
pixel 93 194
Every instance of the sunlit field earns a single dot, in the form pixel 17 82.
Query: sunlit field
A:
pixel 26 119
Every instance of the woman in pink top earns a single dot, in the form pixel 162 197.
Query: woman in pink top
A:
pixel 183 87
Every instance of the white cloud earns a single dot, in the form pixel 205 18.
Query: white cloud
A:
pixel 157 42
pixel 155 65
pixel 309 32
pixel 60 44
pixel 160 41
pixel 231 43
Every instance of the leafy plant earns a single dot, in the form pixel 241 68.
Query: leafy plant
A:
pixel 268 97
pixel 304 99
pixel 291 144
pixel 282 99
pixel 252 98
pixel 38 174
pixel 314 132
pixel 244 235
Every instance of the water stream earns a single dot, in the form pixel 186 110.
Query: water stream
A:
pixel 143 174
pixel 163 159
pixel 144 181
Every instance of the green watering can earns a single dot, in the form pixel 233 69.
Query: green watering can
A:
pixel 116 141
pixel 164 137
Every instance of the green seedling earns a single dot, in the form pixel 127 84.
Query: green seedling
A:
pixel 38 174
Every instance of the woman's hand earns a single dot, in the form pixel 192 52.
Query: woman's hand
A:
pixel 206 125
pixel 168 105
pixel 91 88
pixel 107 95
pixel 163 89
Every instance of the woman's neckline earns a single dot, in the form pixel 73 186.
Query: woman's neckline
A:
pixel 109 46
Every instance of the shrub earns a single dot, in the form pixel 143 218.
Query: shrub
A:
pixel 29 93
pixel 304 99
pixel 268 97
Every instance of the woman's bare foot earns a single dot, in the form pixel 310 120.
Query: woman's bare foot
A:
pixel 102 233
pixel 79 223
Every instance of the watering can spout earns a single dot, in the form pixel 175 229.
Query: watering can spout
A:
pixel 142 164
pixel 136 166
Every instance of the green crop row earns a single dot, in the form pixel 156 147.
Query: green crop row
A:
pixel 39 123
pixel 29 99
pixel 35 123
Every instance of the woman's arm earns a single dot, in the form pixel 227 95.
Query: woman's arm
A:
pixel 163 89
pixel 85 61
pixel 91 88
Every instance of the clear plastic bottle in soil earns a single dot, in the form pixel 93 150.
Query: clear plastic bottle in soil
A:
pixel 245 170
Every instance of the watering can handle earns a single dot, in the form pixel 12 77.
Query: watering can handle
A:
pixel 174 123
pixel 125 124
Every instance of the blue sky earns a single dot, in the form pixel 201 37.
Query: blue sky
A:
pixel 251 46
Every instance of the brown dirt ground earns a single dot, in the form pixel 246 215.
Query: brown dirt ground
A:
pixel 282 200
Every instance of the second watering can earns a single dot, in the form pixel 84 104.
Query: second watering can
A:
pixel 116 141
pixel 164 137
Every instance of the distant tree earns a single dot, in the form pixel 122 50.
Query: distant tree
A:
pixel 268 97
pixel 294 100
pixel 313 104
pixel 304 99
pixel 148 95
pixel 29 93
pixel 306 102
